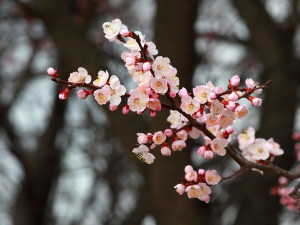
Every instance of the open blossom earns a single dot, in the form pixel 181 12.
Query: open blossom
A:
pixel 246 138
pixel 101 79
pixel 182 135
pixel 143 154
pixel 132 45
pixel 159 138
pixel 216 108
pixel 218 146
pixel 178 145
pixel 159 85
pixel 200 191
pixel 226 118
pixel 165 151
pixel 80 77
pixel 276 150
pixel 260 149
pixel 112 29
pixel 175 119
pixel 161 66
pixel 211 177
pixel 142 138
pixel 191 175
pixel 138 100
pixel 117 90
pixel 241 111
pixel 202 93
pixel 180 188
pixel 103 95
pixel 154 104
pixel 189 105
pixel 252 84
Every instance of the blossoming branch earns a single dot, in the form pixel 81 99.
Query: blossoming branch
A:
pixel 207 110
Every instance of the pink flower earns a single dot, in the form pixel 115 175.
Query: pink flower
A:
pixel 130 61
pixel 125 32
pixel 103 95
pixel 159 85
pixel 211 177
pixel 259 149
pixel 255 101
pixel 188 168
pixel 230 105
pixel 241 111
pixel 235 80
pixel 138 100
pixel 182 135
pixel 201 172
pixel 191 176
pixel 178 145
pixel 165 151
pixel 218 146
pixel 80 77
pixel 142 138
pixel 180 188
pixel 189 105
pixel 154 104
pixel 159 138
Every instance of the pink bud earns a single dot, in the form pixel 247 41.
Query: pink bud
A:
pixel 283 181
pixel 208 154
pixel 188 168
pixel 233 96
pixel 130 61
pixel 113 107
pixel 83 94
pixel 198 114
pixel 201 150
pixel 230 105
pixel 125 109
pixel 182 92
pixel 168 132
pixel 255 101
pixel 64 94
pixel 201 172
pixel 152 113
pixel 149 90
pixel 155 95
pixel 172 94
pixel 165 151
pixel 235 80
pixel 125 32
pixel 51 71
pixel 140 112
pixel 146 66
pixel 229 129
pixel 213 95
pixel 158 108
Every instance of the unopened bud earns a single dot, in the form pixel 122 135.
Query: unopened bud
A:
pixel 146 66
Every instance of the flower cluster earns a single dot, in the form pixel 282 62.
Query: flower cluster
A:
pixel 284 193
pixel 197 184
pixel 257 149
pixel 207 111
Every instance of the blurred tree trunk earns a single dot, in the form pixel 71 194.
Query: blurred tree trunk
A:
pixel 273 45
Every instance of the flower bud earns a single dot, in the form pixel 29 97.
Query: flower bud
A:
pixel 213 95
pixel 125 32
pixel 172 94
pixel 51 71
pixel 201 172
pixel 230 105
pixel 235 80
pixel 165 151
pixel 64 94
pixel 182 92
pixel 201 150
pixel 113 107
pixel 255 101
pixel 168 132
pixel 208 154
pixel 233 96
pixel 125 109
pixel 152 113
pixel 180 188
pixel 146 66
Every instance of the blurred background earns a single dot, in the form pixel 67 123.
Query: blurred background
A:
pixel 70 162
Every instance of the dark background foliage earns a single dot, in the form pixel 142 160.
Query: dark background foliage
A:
pixel 70 162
